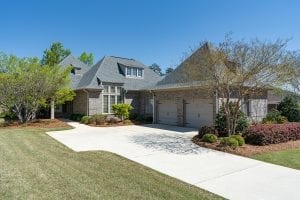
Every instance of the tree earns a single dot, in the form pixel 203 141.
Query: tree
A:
pixel 87 58
pixel 295 81
pixel 26 86
pixel 156 68
pixel 169 70
pixel 289 107
pixel 55 54
pixel 235 71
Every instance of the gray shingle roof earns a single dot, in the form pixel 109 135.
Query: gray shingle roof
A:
pixel 109 69
pixel 75 78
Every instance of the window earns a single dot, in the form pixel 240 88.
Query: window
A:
pixel 128 71
pixel 112 101
pixel 118 90
pixel 113 89
pixel 140 72
pixel 105 103
pixel 134 71
pixel 106 89
pixel 119 99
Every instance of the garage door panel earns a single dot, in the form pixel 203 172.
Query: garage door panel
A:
pixel 198 113
pixel 167 112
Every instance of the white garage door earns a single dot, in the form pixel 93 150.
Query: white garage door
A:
pixel 167 112
pixel 198 113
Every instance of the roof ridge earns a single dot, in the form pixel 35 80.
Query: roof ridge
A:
pixel 123 58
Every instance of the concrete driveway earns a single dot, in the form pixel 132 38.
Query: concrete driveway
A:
pixel 168 149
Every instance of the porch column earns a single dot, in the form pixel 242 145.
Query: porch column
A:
pixel 52 110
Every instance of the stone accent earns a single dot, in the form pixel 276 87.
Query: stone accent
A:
pixel 180 96
pixel 133 98
pixel 146 103
pixel 95 102
pixel 80 103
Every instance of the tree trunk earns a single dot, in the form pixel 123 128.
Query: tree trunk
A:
pixel 52 110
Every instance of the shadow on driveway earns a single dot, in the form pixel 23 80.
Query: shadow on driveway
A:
pixel 168 143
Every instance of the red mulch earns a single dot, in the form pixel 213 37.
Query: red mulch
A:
pixel 249 150
pixel 40 123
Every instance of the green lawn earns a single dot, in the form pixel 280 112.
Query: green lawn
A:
pixel 35 166
pixel 288 158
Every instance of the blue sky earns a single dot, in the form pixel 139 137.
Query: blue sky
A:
pixel 151 31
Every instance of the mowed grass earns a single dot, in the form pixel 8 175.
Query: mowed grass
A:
pixel 35 166
pixel 288 158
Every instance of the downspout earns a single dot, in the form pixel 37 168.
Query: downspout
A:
pixel 153 107
pixel 87 102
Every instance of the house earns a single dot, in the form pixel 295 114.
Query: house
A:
pixel 169 100
pixel 178 102
pixel 111 80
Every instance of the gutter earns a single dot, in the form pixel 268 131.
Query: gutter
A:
pixel 87 102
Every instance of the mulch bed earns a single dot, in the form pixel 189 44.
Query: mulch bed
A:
pixel 117 124
pixel 40 123
pixel 249 150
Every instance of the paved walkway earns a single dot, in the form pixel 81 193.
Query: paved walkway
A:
pixel 168 149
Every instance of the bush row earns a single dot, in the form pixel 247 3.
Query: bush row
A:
pixel 264 134
pixel 232 141
pixel 99 119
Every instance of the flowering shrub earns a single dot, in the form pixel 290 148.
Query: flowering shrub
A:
pixel 264 134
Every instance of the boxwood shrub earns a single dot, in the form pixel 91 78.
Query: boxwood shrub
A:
pixel 239 138
pixel 265 134
pixel 211 138
pixel 229 142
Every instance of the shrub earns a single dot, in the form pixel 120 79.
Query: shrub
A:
pixel 85 119
pixel 127 121
pixel 239 138
pixel 241 125
pixel 122 110
pixel 112 119
pixel 76 117
pixel 207 129
pixel 289 107
pixel 229 142
pixel 91 120
pixel 274 117
pixel 99 119
pixel 264 134
pixel 211 138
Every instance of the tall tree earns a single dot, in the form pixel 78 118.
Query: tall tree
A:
pixel 156 68
pixel 239 70
pixel 55 54
pixel 169 70
pixel 87 58
pixel 26 86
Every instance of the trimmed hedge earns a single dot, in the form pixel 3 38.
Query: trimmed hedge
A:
pixel 264 134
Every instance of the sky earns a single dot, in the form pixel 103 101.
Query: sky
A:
pixel 152 31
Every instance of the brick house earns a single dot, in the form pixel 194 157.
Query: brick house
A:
pixel 114 80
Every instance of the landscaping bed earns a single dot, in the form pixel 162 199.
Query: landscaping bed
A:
pixel 247 149
pixel 39 123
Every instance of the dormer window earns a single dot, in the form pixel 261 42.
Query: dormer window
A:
pixel 134 72
pixel 140 73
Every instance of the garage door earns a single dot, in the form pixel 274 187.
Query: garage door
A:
pixel 198 113
pixel 167 112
